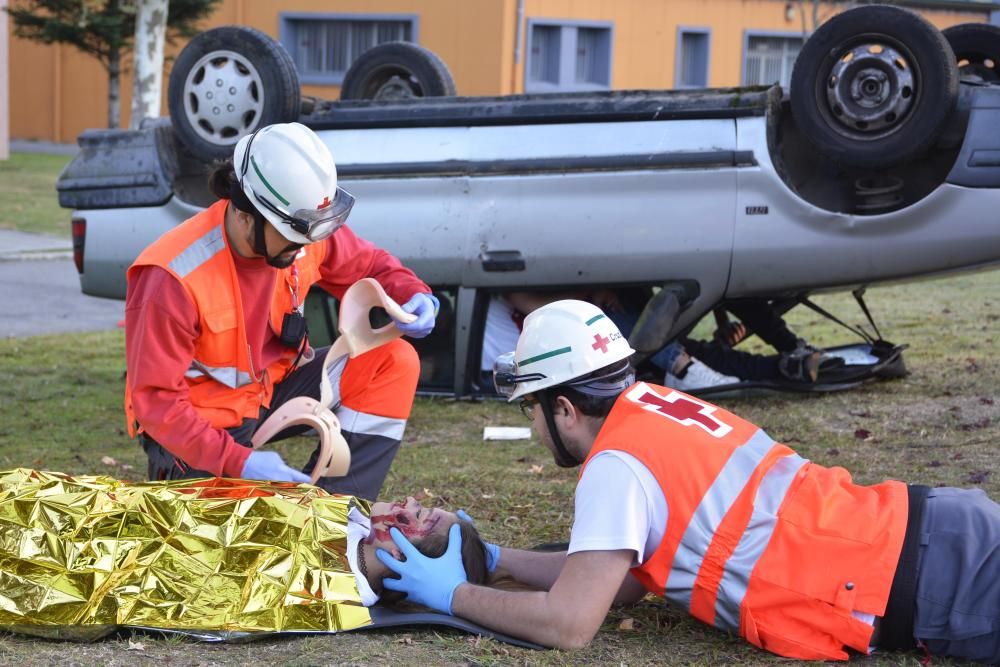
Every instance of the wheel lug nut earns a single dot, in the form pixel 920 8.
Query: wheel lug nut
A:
pixel 218 83
pixel 232 90
pixel 230 108
pixel 216 111
pixel 208 94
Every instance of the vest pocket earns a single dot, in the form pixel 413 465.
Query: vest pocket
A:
pixel 219 346
pixel 221 320
pixel 811 644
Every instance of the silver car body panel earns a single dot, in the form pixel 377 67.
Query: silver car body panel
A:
pixel 798 247
pixel 115 236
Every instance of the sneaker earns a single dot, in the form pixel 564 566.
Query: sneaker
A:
pixel 696 375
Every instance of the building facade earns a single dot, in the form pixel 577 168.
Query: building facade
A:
pixel 492 47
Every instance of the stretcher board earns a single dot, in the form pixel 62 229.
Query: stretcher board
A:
pixel 383 618
pixel 863 362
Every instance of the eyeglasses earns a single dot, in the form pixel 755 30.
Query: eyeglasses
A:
pixel 527 406
pixel 315 224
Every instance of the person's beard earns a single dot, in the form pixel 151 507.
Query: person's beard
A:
pixel 279 262
pixel 276 260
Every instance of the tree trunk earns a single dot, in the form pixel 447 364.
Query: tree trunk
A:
pixel 114 86
pixel 150 30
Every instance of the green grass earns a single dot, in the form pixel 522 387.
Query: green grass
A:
pixel 28 193
pixel 61 407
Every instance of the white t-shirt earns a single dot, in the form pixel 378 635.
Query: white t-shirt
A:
pixel 620 505
pixel 358 527
pixel 501 332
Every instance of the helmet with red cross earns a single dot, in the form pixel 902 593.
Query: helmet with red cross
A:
pixel 560 342
pixel 288 174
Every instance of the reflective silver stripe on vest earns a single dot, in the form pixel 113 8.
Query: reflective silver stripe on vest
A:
pixel 363 423
pixel 230 376
pixel 736 575
pixel 334 371
pixel 711 510
pixel 199 252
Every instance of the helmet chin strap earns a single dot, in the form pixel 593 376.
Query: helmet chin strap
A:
pixel 562 455
pixel 260 245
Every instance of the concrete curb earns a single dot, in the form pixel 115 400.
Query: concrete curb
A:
pixel 34 255
pixel 16 245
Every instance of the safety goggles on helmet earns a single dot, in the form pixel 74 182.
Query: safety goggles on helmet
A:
pixel 314 224
pixel 505 377
pixel 612 383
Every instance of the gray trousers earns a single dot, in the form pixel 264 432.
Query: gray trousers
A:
pixel 371 453
pixel 958 576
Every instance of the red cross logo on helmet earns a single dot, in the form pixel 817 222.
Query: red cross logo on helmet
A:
pixel 601 343
pixel 324 204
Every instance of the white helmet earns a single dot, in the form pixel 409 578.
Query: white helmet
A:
pixel 288 174
pixel 560 342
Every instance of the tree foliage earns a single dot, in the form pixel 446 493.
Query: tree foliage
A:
pixel 100 28
pixel 814 13
pixel 104 29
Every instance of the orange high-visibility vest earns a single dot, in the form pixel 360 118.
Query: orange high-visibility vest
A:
pixel 224 386
pixel 759 540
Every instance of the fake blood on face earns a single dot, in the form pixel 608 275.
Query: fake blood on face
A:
pixel 413 520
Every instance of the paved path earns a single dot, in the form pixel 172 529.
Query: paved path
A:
pixel 27 146
pixel 41 289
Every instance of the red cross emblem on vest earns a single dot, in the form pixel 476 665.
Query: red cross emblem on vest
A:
pixel 601 343
pixel 323 204
pixel 681 409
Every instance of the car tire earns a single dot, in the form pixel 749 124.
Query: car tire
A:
pixel 226 83
pixel 977 49
pixel 397 71
pixel 874 86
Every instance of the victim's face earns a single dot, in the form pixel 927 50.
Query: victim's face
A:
pixel 412 519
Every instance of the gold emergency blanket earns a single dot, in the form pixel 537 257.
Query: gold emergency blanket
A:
pixel 82 556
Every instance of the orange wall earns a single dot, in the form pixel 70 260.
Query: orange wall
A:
pixel 57 92
pixel 645 32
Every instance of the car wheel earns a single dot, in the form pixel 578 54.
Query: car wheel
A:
pixel 874 86
pixel 396 71
pixel 977 49
pixel 226 83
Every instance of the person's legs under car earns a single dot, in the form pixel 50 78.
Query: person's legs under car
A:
pixel 761 319
pixel 743 365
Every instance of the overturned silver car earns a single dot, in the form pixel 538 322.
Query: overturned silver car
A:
pixel 881 164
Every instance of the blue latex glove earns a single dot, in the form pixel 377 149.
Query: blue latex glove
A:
pixel 425 307
pixel 492 550
pixel 269 465
pixel 427 581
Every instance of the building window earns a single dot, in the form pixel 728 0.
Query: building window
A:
pixel 544 59
pixel 568 57
pixel 692 58
pixel 770 59
pixel 323 48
